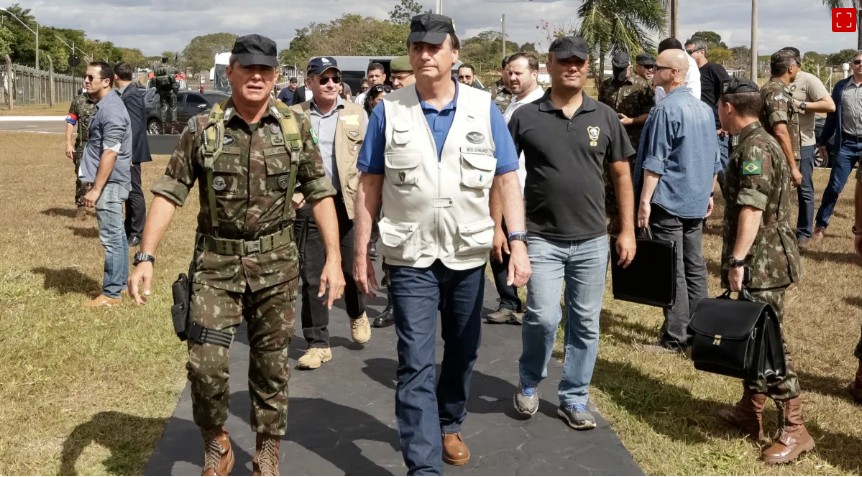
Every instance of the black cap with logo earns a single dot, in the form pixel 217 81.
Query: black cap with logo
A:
pixel 430 28
pixel 255 50
pixel 569 46
pixel 320 64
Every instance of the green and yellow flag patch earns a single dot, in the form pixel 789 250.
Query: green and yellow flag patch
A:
pixel 751 168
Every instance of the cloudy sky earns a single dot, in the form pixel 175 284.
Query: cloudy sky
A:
pixel 158 25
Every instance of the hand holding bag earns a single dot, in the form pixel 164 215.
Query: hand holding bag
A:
pixel 651 277
pixel 738 338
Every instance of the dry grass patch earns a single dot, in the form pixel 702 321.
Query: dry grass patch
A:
pixel 59 109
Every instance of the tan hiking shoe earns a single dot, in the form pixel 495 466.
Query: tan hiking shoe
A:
pixel 314 357
pixel 218 454
pixel 103 300
pixel 360 329
pixel 747 415
pixel 793 438
pixel 265 460
pixel 818 235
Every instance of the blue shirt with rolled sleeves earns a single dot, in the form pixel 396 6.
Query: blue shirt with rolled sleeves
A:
pixel 371 156
pixel 110 128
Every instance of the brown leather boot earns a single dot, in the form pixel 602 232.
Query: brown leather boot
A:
pixel 218 455
pixel 747 414
pixel 455 450
pixel 265 460
pixel 793 438
pixel 855 387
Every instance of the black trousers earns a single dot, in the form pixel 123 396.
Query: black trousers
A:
pixel 508 293
pixel 314 314
pixel 136 206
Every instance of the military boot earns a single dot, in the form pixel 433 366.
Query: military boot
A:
pixel 747 415
pixel 793 438
pixel 855 387
pixel 265 460
pixel 218 455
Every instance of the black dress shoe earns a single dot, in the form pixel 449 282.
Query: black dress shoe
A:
pixel 134 240
pixel 384 319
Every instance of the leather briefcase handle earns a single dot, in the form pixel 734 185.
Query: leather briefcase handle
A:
pixel 644 232
pixel 743 295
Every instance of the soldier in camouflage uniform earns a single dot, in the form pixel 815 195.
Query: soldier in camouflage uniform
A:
pixel 245 259
pixel 499 90
pixel 758 238
pixel 78 123
pixel 855 387
pixel 778 115
pixel 167 87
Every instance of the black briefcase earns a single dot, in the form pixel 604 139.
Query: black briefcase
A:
pixel 739 338
pixel 651 277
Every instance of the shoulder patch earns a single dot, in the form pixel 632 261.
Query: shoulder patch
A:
pixel 751 168
pixel 193 125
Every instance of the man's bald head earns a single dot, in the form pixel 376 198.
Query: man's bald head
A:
pixel 671 68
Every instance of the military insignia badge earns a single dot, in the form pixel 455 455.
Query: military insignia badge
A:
pixel 273 128
pixel 751 168
pixel 219 183
pixel 227 140
pixel 314 135
pixel 593 132
pixel 475 137
pixel 283 182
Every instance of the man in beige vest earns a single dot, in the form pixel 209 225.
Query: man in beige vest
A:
pixel 437 152
pixel 339 127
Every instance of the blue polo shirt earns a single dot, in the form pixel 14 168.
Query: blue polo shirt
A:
pixel 371 156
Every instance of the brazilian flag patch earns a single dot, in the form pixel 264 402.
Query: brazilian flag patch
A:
pixel 751 168
pixel 314 135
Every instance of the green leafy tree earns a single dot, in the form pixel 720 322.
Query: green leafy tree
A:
pixel 484 51
pixel 712 39
pixel 404 11
pixel 23 40
pixel 6 39
pixel 133 57
pixel 627 25
pixel 854 4
pixel 201 50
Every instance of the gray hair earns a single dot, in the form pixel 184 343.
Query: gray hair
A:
pixel 697 43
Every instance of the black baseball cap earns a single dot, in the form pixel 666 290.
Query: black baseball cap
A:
pixel 430 28
pixel 645 59
pixel 320 64
pixel 621 59
pixel 255 50
pixel 569 46
pixel 737 85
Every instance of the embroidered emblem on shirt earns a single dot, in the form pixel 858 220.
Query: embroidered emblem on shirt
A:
pixel 219 183
pixel 273 128
pixel 314 135
pixel 593 132
pixel 751 168
pixel 475 137
pixel 283 182
pixel 227 140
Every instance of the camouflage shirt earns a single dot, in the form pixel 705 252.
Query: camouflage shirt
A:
pixel 249 178
pixel 778 107
pixel 633 97
pixel 758 176
pixel 81 110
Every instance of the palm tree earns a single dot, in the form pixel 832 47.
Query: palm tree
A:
pixel 856 5
pixel 612 25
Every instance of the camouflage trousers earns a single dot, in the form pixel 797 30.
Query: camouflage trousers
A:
pixel 788 386
pixel 81 188
pixel 169 108
pixel 269 314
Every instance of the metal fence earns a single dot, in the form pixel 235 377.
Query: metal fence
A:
pixel 31 86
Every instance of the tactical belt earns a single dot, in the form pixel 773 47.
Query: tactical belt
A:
pixel 199 334
pixel 242 248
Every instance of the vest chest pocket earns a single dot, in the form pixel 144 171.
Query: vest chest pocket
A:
pixel 227 175
pixel 477 170
pixel 475 237
pixel 277 169
pixel 402 169
pixel 400 239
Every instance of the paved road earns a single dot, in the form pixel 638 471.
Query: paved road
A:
pixel 161 144
pixel 341 419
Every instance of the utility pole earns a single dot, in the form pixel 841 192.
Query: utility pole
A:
pixel 503 20
pixel 674 18
pixel 439 7
pixel 754 40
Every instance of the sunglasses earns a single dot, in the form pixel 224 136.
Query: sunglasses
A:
pixel 857 62
pixel 323 80
pixel 381 88
pixel 734 86
pixel 659 67
pixel 91 78
pixel 693 51
pixel 464 77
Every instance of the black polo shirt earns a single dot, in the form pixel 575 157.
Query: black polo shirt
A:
pixel 565 159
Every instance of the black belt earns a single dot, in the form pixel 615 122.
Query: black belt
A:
pixel 242 248
pixel 850 137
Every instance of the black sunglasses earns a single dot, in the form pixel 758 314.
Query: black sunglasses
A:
pixel 659 67
pixel 381 88
pixel 323 80
pixel 91 78
pixel 857 62
pixel 693 51
pixel 734 86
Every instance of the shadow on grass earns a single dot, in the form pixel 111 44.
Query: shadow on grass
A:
pixel 829 256
pixel 853 301
pixel 60 212
pixel 826 385
pixel 67 280
pixel 86 232
pixel 128 438
pixel 625 330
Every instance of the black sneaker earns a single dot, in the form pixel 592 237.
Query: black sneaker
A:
pixel 502 315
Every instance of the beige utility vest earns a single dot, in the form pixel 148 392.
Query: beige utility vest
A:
pixel 437 209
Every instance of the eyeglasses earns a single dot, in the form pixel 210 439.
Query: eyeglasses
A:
pixel 464 77
pixel 690 52
pixel 659 67
pixel 91 78
pixel 649 67
pixel 381 88
pixel 857 62
pixel 323 80
pixel 734 86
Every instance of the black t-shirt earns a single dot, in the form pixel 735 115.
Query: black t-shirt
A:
pixel 712 76
pixel 564 159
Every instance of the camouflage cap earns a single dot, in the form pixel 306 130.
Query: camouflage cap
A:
pixel 400 64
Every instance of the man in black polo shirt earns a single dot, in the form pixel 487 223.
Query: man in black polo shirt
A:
pixel 567 138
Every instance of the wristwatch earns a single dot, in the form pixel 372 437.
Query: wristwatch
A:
pixel 522 236
pixel 734 262
pixel 802 106
pixel 143 257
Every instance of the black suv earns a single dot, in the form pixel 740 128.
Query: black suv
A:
pixel 189 103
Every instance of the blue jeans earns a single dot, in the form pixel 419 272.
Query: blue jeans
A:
pixel 582 265
pixel 805 194
pixel 112 236
pixel 848 155
pixel 424 414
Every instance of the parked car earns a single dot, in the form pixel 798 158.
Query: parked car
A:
pixel 831 148
pixel 189 103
